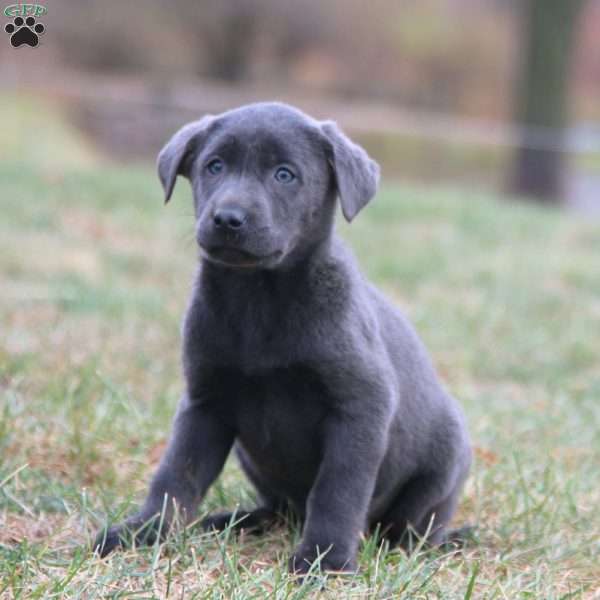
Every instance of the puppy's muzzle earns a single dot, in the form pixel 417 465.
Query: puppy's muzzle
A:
pixel 229 219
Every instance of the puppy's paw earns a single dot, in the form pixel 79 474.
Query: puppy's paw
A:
pixel 108 540
pixel 456 539
pixel 134 531
pixel 256 521
pixel 218 521
pixel 331 560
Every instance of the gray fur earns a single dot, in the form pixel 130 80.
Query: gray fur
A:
pixel 291 356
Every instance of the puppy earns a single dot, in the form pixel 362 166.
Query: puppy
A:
pixel 292 357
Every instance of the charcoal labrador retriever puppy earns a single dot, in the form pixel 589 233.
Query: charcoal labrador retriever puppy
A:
pixel 292 357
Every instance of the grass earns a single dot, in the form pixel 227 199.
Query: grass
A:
pixel 94 276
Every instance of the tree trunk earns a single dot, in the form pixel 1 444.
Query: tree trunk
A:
pixel 548 37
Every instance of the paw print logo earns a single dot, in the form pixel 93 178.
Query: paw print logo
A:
pixel 24 31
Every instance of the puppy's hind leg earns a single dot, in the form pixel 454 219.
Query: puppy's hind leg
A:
pixel 450 539
pixel 255 521
pixel 422 509
pixel 269 513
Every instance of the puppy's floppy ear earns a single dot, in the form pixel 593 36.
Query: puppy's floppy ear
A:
pixel 175 157
pixel 356 175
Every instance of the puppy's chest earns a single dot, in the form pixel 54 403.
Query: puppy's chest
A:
pixel 257 340
pixel 277 415
pixel 261 324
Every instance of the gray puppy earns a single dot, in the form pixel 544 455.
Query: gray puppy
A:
pixel 291 356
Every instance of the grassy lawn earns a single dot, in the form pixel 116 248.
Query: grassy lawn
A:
pixel 94 278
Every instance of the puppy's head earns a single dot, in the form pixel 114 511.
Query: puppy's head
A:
pixel 265 178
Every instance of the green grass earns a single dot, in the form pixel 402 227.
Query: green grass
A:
pixel 36 131
pixel 94 277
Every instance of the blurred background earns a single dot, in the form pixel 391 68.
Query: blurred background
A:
pixel 503 94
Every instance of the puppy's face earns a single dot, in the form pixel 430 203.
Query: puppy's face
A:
pixel 264 179
pixel 262 188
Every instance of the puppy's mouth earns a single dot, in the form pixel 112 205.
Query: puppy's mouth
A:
pixel 233 257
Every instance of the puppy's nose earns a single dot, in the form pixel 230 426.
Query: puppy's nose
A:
pixel 229 218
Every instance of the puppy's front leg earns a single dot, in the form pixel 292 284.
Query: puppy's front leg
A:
pixel 338 503
pixel 194 457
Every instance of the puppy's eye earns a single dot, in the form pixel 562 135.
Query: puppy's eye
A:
pixel 215 166
pixel 284 175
